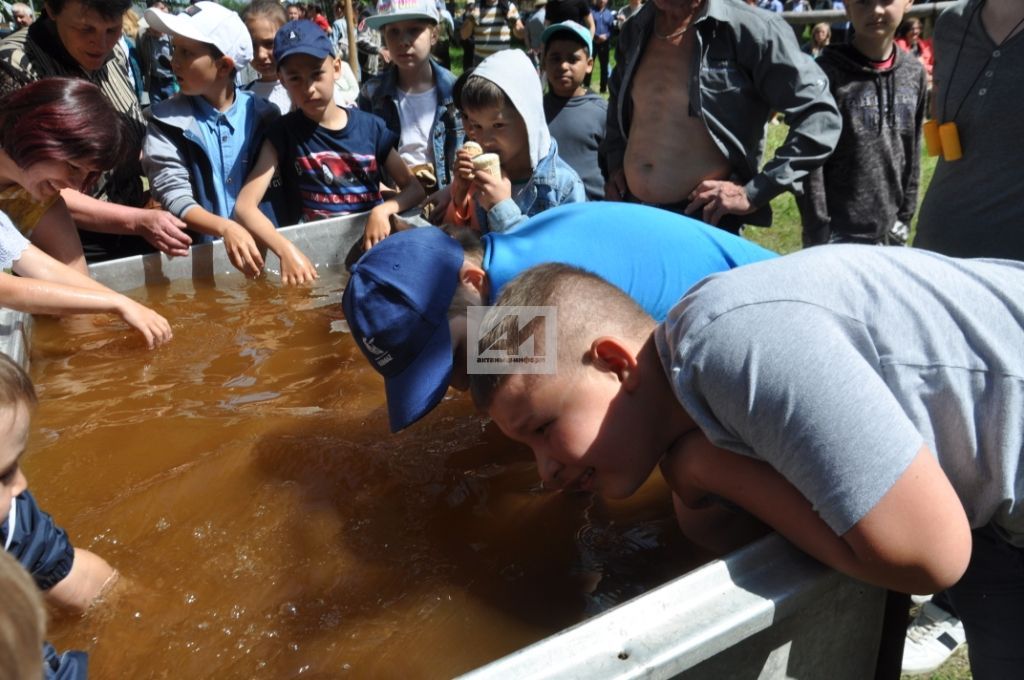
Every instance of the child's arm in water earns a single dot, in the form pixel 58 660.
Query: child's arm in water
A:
pixel 378 226
pixel 295 266
pixel 47 286
pixel 89 579
pixel 915 540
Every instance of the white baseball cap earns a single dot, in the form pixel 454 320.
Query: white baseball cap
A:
pixel 391 11
pixel 210 23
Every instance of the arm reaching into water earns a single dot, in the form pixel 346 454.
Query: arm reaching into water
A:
pixel 295 266
pixel 45 286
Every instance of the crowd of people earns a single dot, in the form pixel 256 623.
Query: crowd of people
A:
pixel 887 445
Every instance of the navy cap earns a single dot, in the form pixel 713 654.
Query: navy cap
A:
pixel 301 36
pixel 396 304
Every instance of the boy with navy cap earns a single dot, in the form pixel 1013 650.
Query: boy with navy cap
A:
pixel 332 160
pixel 406 299
pixel 201 143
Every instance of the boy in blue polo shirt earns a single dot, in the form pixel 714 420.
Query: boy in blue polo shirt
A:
pixel 202 142
pixel 406 299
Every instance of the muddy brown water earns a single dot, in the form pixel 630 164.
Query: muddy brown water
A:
pixel 267 524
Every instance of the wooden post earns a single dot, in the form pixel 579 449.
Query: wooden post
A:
pixel 353 51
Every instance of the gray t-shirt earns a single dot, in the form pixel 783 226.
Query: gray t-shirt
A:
pixel 835 364
pixel 12 243
pixel 974 206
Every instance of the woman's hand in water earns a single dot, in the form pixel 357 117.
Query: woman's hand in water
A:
pixel 153 327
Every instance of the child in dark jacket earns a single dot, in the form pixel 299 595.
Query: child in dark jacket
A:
pixel 866 192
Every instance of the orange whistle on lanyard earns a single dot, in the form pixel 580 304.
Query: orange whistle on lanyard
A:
pixel 932 140
pixel 950 138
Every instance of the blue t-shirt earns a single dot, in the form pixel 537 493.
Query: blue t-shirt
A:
pixel 331 172
pixel 653 255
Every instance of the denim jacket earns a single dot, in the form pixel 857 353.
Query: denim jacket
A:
pixel 553 183
pixel 379 95
pixel 747 64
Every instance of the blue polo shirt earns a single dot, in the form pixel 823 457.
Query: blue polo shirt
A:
pixel 653 255
pixel 225 136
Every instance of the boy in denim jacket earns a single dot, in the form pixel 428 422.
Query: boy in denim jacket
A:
pixel 414 95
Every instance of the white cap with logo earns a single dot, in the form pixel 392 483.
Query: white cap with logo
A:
pixel 210 23
pixel 391 11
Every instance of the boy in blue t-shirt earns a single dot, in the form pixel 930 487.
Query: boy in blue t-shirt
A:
pixel 331 159
pixel 201 142
pixel 406 301
pixel 71 578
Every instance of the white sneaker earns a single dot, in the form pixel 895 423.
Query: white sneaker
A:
pixel 932 637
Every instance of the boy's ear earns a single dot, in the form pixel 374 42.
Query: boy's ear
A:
pixel 225 65
pixel 611 354
pixel 473 276
pixel 590 64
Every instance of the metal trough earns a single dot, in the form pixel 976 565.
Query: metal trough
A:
pixel 765 611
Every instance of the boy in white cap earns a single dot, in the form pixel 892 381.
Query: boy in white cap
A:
pixel 201 143
pixel 414 94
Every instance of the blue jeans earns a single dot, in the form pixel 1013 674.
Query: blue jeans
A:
pixel 989 600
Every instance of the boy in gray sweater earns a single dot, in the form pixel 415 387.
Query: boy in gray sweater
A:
pixel 575 115
pixel 866 192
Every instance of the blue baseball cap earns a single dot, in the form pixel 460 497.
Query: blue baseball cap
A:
pixel 396 304
pixel 301 36
pixel 577 31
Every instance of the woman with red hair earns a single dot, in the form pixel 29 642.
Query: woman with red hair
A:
pixel 57 133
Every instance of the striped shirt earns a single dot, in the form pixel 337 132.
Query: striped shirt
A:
pixel 29 55
pixel 492 32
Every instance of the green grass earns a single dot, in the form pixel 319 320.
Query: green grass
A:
pixel 784 236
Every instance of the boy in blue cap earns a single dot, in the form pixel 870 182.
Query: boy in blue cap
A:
pixel 576 116
pixel 331 159
pixel 406 299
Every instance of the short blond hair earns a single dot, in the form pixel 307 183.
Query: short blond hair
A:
pixel 588 307
pixel 22 622
pixel 15 385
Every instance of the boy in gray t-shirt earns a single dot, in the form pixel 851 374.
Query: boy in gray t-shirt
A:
pixel 865 403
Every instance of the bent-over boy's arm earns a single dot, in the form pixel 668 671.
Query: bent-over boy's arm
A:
pixel 916 539
pixel 89 579
pixel 295 266
pixel 378 225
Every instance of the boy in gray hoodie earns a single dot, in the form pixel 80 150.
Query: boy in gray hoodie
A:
pixel 866 192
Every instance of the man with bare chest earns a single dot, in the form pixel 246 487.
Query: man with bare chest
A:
pixel 694 85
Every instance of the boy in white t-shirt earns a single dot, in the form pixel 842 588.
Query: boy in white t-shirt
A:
pixel 414 95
